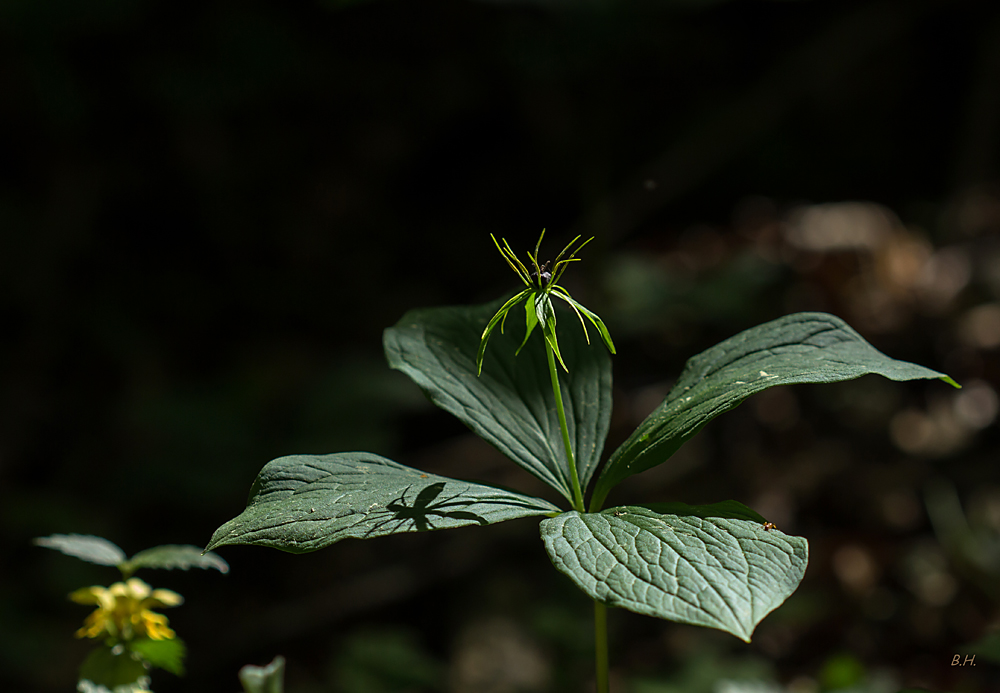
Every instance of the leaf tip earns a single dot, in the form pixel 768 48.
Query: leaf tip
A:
pixel 948 379
pixel 216 541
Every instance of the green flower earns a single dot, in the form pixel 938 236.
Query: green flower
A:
pixel 541 285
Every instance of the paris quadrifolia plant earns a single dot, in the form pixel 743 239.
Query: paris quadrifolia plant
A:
pixel 720 566
pixel 133 638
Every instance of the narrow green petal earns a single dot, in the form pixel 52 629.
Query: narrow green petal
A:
pixel 507 254
pixel 563 294
pixel 523 271
pixel 560 265
pixel 538 270
pixel 570 245
pixel 539 244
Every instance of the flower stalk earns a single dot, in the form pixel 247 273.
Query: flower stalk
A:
pixel 540 285
pixel 570 459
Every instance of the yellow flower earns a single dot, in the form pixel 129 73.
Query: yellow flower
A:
pixel 123 610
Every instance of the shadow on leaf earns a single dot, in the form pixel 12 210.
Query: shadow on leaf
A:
pixel 424 508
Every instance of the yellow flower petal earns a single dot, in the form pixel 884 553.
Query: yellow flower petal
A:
pixel 123 610
pixel 156 626
pixel 137 589
pixel 95 624
pixel 87 595
pixel 163 598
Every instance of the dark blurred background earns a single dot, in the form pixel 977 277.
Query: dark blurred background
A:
pixel 210 211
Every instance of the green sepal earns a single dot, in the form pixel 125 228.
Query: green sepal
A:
pixel 530 319
pixel 546 315
pixel 498 317
pixel 592 316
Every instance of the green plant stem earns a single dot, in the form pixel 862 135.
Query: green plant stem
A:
pixel 597 500
pixel 600 610
pixel 557 392
pixel 601 645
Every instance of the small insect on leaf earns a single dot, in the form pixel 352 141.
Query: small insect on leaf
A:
pixel 769 525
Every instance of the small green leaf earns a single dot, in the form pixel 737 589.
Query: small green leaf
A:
pixel 302 503
pixel 172 556
pixel 799 348
pixel 706 571
pixel 511 404
pixel 269 679
pixel 115 668
pixel 85 547
pixel 163 654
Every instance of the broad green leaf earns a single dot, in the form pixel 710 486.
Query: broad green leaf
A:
pixel 85 547
pixel 269 679
pixel 730 509
pixel 165 654
pixel 798 348
pixel 302 503
pixel 116 669
pixel 511 404
pixel 172 556
pixel 706 571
